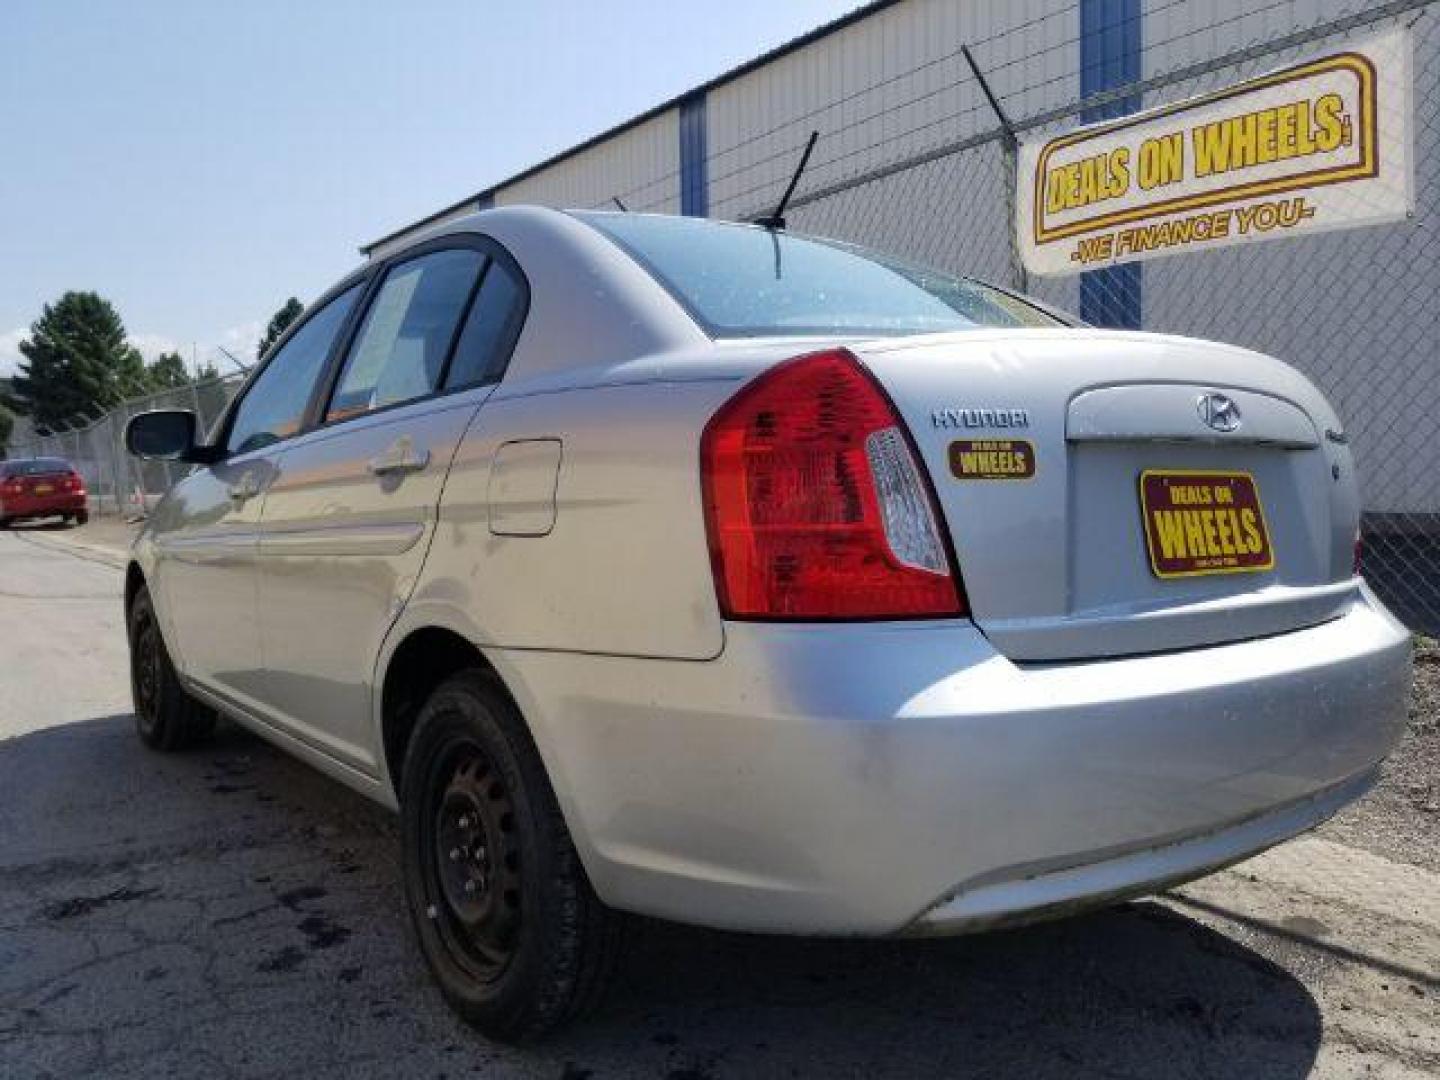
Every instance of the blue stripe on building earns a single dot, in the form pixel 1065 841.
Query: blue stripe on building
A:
pixel 1110 46
pixel 694 177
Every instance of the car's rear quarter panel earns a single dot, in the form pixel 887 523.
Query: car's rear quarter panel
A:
pixel 625 567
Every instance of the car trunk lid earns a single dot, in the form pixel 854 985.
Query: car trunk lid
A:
pixel 1098 509
pixel 37 484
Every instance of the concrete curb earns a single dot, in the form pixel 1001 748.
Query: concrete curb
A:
pixel 92 552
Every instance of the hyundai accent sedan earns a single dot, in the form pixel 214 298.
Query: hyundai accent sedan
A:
pixel 651 564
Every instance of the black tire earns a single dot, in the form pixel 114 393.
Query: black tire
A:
pixel 166 717
pixel 82 517
pixel 506 918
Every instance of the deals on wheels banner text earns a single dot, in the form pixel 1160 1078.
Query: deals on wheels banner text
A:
pixel 1322 144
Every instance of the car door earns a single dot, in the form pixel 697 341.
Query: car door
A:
pixel 350 513
pixel 207 530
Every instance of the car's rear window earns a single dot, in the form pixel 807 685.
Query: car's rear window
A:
pixel 34 466
pixel 745 281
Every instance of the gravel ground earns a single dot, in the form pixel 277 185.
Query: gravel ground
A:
pixel 1400 819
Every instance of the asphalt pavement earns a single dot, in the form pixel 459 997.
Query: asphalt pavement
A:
pixel 228 911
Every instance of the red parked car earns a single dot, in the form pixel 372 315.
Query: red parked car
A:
pixel 39 488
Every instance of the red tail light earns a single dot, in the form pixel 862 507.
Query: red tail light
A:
pixel 815 505
pixel 73 483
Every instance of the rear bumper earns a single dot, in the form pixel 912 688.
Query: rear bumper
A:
pixel 41 506
pixel 1150 866
pixel 881 778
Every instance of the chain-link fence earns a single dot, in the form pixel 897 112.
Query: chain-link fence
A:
pixel 919 107
pixel 920 160
pixel 118 483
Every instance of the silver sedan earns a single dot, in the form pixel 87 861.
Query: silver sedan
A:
pixel 706 571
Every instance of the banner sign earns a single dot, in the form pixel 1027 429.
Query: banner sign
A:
pixel 1323 144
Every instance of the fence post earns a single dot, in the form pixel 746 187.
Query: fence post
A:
pixel 119 415
pixel 1010 144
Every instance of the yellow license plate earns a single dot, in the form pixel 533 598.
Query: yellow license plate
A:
pixel 1199 522
pixel 43 489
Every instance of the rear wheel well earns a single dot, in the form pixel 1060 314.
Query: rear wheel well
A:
pixel 423 661
pixel 134 582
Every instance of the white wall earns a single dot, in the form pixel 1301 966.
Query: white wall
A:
pixel 409 237
pixel 641 166
pixel 1176 34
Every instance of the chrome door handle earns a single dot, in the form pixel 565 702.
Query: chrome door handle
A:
pixel 402 456
pixel 244 490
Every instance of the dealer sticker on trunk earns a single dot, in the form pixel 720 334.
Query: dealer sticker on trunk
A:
pixel 992 459
pixel 1203 523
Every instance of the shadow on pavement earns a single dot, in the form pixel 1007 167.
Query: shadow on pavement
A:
pixel 229 911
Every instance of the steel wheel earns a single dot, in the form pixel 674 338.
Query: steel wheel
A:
pixel 166 717
pixel 146 672
pixel 475 861
pixel 503 912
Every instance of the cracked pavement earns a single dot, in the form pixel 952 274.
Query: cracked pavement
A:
pixel 229 912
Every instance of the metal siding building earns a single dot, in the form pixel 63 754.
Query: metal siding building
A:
pixel 643 160
pixel 881 85
pixel 912 158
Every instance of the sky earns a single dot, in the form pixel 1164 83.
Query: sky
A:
pixel 197 163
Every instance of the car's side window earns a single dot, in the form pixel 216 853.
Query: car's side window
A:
pixel 399 352
pixel 490 328
pixel 274 405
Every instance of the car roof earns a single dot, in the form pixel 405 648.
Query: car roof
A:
pixel 591 304
pixel 57 462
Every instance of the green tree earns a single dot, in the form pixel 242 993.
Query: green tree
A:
pixel 279 322
pixel 207 372
pixel 167 371
pixel 77 362
pixel 7 428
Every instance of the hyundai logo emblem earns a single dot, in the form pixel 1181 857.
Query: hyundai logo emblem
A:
pixel 1218 411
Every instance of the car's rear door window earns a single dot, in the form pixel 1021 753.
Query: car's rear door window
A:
pixel 490 328
pixel 399 352
pixel 274 405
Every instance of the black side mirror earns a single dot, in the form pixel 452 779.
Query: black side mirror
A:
pixel 163 435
